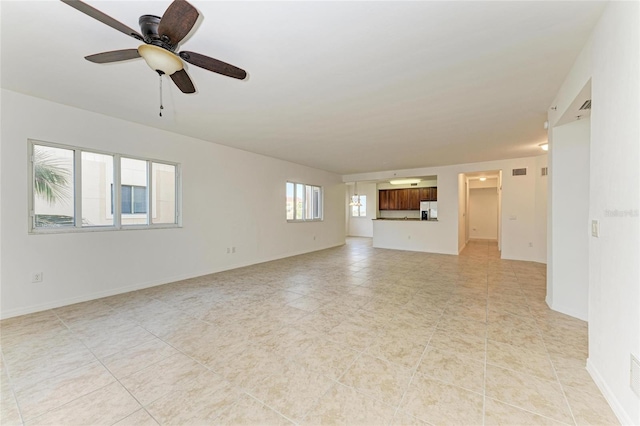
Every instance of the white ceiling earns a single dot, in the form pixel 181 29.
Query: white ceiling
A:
pixel 348 87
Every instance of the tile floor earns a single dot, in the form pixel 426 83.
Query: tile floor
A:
pixel 350 335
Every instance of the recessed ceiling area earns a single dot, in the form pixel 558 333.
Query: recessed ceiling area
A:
pixel 347 87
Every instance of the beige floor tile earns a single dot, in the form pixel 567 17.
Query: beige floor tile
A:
pixel 104 406
pixel 520 359
pixel 353 335
pixel 284 331
pixel 438 403
pixel 463 325
pixel 461 344
pixel 399 347
pixel 497 413
pixel 589 408
pixel 378 378
pixel 292 390
pixel 326 357
pixel 9 412
pixel 110 341
pixel 28 370
pixel 404 419
pixel 249 411
pixel 249 366
pixel 573 372
pixel 453 369
pixel 528 392
pixel 59 390
pixel 136 358
pixel 198 401
pixel 139 418
pixel 160 378
pixel 343 405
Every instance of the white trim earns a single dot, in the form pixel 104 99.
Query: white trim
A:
pixel 616 407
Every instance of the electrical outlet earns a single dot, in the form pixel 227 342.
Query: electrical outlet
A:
pixel 36 277
pixel 233 249
pixel 595 228
pixel 228 250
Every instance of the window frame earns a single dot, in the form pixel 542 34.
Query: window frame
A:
pixel 361 213
pixel 117 196
pixel 313 189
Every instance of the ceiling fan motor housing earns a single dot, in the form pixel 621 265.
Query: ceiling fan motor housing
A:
pixel 149 29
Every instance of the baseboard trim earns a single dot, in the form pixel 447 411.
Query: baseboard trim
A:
pixel 616 407
pixel 140 286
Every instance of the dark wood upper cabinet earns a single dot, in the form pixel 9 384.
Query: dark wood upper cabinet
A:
pixel 393 199
pixel 383 200
pixel 405 199
pixel 429 194
pixel 414 199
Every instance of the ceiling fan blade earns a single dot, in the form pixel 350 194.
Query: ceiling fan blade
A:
pixel 177 21
pixel 214 65
pixel 182 80
pixel 113 56
pixel 102 17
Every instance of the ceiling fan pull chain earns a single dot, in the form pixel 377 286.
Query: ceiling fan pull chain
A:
pixel 161 107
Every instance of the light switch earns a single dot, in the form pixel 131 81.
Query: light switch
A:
pixel 595 229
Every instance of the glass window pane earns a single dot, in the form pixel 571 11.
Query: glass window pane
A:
pixel 139 199
pixel 133 173
pixel 290 202
pixel 163 184
pixel 127 202
pixel 299 201
pixel 97 189
pixel 363 207
pixel 53 187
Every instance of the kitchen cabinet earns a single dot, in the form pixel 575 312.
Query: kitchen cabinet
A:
pixel 383 200
pixel 429 194
pixel 405 199
pixel 402 202
pixel 414 199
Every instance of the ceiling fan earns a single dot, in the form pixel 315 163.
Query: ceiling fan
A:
pixel 161 37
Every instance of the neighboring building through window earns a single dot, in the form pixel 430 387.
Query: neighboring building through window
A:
pixel 359 210
pixel 303 202
pixel 73 188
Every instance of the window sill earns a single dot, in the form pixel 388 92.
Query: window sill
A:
pixel 74 230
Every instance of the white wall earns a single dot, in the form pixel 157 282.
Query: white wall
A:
pixel 570 219
pixel 230 198
pixel 362 226
pixel 483 213
pixel 519 227
pixel 611 60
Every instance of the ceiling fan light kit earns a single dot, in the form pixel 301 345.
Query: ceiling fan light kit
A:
pixel 160 60
pixel 161 37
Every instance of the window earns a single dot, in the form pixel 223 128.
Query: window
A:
pixel 73 189
pixel 133 199
pixel 361 210
pixel 303 202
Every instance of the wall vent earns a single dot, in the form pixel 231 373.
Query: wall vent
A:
pixel 545 171
pixel 414 184
pixel 635 375
pixel 519 172
pixel 586 105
